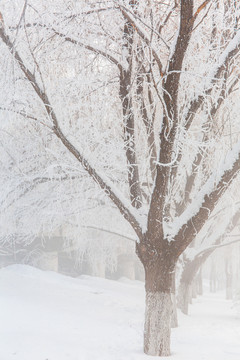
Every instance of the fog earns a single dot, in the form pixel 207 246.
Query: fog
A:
pixel 119 179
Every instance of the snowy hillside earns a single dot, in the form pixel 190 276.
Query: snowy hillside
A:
pixel 47 316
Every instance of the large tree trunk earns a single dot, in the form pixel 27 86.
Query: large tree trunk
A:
pixel 126 266
pixel 183 296
pixel 174 318
pixel 188 284
pixel 158 310
pixel 213 277
pixel 229 279
pixel 157 329
pixel 194 289
pixel 199 282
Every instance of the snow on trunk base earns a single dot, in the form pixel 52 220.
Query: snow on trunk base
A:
pixel 157 327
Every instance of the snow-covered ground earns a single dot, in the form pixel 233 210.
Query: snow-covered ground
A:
pixel 47 316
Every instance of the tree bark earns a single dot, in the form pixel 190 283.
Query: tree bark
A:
pixel 213 277
pixel 158 311
pixel 183 297
pixel 199 282
pixel 186 290
pixel 157 327
pixel 194 289
pixel 128 113
pixel 229 279
pixel 174 318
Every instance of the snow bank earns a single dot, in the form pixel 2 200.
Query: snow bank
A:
pixel 48 316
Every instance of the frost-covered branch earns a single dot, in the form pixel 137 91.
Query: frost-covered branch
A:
pixel 28 185
pixel 170 120
pixel 195 216
pixel 104 185
pixel 111 232
pixel 224 60
pixel 143 35
pixel 199 9
pixel 91 48
pixel 212 248
pixel 79 43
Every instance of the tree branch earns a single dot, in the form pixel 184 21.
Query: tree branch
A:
pixel 200 8
pixel 169 122
pixel 90 48
pixel 111 232
pixel 107 188
pixel 212 248
pixel 32 183
pixel 224 60
pixel 104 54
pixel 131 20
pixel 188 231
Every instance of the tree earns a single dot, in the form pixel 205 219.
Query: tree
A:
pixel 192 264
pixel 144 58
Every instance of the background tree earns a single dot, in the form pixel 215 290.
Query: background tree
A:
pixel 196 257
